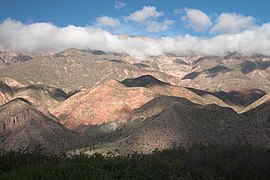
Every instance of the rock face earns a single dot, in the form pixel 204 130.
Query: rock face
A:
pixel 22 127
pixel 103 103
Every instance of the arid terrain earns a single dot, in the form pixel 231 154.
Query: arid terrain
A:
pixel 91 101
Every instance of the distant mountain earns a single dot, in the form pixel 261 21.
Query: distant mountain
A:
pixel 232 72
pixel 23 127
pixel 73 70
pixel 7 58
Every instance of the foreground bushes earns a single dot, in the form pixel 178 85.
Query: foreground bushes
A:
pixel 198 162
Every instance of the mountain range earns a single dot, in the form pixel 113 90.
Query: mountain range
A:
pixel 88 101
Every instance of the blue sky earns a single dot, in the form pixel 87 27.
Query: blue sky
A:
pixel 182 27
pixel 85 12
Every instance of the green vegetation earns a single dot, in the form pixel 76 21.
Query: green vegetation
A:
pixel 198 162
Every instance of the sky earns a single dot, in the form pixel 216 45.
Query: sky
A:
pixel 184 27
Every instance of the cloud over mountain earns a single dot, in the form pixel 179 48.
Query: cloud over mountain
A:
pixel 39 38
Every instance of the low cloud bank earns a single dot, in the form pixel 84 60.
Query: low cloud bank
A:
pixel 39 38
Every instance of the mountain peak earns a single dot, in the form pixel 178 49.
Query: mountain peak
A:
pixel 234 55
pixel 142 81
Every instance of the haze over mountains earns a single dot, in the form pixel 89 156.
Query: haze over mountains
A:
pixel 94 101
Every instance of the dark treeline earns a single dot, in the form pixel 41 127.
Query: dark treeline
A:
pixel 198 162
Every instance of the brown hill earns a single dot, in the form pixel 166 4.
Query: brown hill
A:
pixel 24 127
pixel 167 89
pixel 103 103
pixel 40 95
pixel 111 100
pixel 166 122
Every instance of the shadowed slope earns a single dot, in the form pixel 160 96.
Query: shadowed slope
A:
pixel 261 110
pixel 40 95
pixel 142 81
pixel 166 122
pixel 24 127
pixel 238 99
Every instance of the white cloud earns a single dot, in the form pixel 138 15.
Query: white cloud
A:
pixel 196 20
pixel 39 38
pixel 155 26
pixel 108 21
pixel 119 4
pixel 232 23
pixel 147 12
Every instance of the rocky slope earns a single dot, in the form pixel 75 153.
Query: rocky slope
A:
pixel 7 58
pixel 23 127
pixel 166 122
pixel 111 100
pixel 73 70
pixel 228 73
pixel 103 103
pixel 40 95
pixel 5 93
